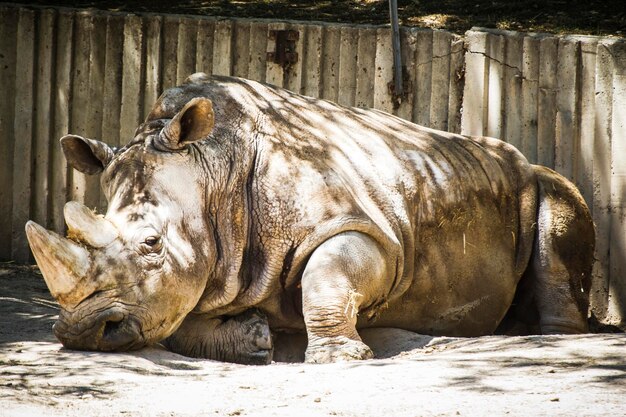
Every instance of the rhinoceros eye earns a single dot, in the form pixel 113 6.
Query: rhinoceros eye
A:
pixel 152 243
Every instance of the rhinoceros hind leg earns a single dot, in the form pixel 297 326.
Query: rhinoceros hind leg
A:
pixel 562 257
pixel 344 273
pixel 244 339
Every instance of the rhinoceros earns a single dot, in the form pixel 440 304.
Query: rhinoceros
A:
pixel 240 211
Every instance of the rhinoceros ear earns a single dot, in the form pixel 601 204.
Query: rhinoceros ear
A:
pixel 88 156
pixel 194 122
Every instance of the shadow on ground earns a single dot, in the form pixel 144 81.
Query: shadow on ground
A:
pixel 27 311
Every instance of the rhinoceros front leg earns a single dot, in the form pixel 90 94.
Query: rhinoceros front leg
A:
pixel 344 273
pixel 244 339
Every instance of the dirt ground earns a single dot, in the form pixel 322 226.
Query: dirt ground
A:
pixel 413 375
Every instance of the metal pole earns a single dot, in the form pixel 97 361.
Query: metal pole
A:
pixel 395 42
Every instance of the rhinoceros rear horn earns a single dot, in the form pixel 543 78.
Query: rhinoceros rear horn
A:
pixel 88 156
pixel 194 122
pixel 85 226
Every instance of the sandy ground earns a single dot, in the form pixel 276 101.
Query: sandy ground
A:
pixel 413 375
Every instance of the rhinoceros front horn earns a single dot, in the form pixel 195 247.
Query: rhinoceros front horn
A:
pixel 64 264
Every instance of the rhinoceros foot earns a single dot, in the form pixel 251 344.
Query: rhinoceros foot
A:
pixel 245 338
pixel 257 346
pixel 337 349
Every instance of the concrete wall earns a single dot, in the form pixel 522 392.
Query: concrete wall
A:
pixel 561 100
pixel 98 74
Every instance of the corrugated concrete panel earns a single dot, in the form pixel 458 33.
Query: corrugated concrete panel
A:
pixel 566 137
pixel 475 106
pixel 43 98
pixel 530 97
pixel 495 85
pixel 312 61
pixel 154 56
pixel 547 101
pixel 23 131
pixel 79 78
pixel 440 82
pixel 329 82
pixel 617 248
pixel 131 109
pixel 601 205
pixel 241 64
pixel 423 77
pixel 186 51
pixel 383 72
pixel 457 83
pixel 347 66
pixel 95 101
pixel 294 72
pixel 408 45
pixel 258 51
pixel 204 46
pixel 512 85
pixel 587 112
pixel 61 110
pixel 365 68
pixel 223 47
pixel 8 33
pixel 274 72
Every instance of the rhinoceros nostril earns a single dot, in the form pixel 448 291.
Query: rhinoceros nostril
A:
pixel 111 327
pixel 120 334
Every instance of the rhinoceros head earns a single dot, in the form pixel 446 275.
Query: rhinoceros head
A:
pixel 128 278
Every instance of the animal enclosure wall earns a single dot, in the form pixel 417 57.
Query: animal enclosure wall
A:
pixel 98 74
pixel 561 100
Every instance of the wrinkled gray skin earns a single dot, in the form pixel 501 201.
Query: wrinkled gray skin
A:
pixel 240 208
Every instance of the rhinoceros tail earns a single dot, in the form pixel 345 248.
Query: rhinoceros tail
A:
pixel 528 200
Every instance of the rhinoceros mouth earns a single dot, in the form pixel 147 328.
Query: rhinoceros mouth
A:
pixel 107 331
